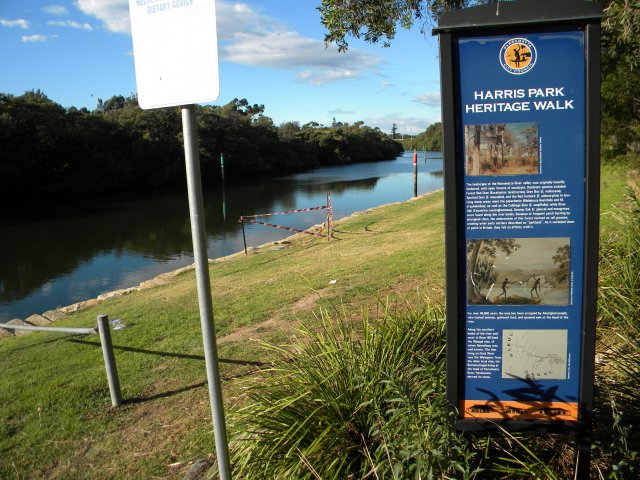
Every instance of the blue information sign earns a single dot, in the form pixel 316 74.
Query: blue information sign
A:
pixel 522 166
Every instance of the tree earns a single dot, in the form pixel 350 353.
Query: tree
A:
pixel 531 141
pixel 114 103
pixel 288 130
pixel 562 258
pixel 241 107
pixel 475 150
pixel 377 20
pixel 49 152
pixel 429 140
pixel 487 248
pixel 620 68
pixel 483 275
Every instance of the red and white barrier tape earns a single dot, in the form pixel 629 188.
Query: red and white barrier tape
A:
pixel 251 219
pixel 280 227
pixel 288 211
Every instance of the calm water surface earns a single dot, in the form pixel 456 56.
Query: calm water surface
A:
pixel 53 263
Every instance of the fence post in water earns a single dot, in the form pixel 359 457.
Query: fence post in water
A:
pixel 415 179
pixel 328 217
pixel 222 166
pixel 244 238
pixel 109 360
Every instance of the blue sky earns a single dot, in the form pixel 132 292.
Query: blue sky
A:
pixel 271 52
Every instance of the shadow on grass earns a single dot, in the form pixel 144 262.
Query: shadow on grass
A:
pixel 171 354
pixel 39 342
pixel 176 355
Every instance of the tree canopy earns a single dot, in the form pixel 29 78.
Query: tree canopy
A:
pixel 429 140
pixel 48 153
pixel 376 21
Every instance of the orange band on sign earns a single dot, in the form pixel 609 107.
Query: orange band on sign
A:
pixel 514 410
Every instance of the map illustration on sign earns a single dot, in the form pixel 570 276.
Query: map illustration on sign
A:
pixel 502 149
pixel 519 271
pixel 534 354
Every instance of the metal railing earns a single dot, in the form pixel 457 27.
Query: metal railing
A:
pixel 102 328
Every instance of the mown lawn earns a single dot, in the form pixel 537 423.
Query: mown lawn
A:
pixel 54 401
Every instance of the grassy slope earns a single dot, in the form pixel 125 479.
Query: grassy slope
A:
pixel 55 419
pixel 54 401
pixel 613 185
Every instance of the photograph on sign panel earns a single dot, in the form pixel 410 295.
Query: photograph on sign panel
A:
pixel 519 271
pixel 534 354
pixel 502 149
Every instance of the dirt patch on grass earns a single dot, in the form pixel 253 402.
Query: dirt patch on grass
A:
pixel 281 321
pixel 253 332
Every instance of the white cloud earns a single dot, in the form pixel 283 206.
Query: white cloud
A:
pixel 340 111
pixel 20 23
pixel 234 18
pixel 429 99
pixel 70 24
pixel 321 77
pixel 55 10
pixel 249 37
pixel 37 38
pixel 231 17
pixel 290 50
pixel 113 13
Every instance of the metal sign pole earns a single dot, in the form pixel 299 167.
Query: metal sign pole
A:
pixel 198 234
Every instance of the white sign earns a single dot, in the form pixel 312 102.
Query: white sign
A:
pixel 175 48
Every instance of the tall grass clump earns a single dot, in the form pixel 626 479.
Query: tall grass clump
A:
pixel 619 264
pixel 618 372
pixel 352 405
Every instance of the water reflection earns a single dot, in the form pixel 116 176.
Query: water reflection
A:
pixel 56 262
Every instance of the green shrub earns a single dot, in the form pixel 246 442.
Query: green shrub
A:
pixel 618 375
pixel 350 405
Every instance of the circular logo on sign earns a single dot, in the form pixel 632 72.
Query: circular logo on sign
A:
pixel 518 56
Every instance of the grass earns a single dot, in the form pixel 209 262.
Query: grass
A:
pixel 56 420
pixel 613 186
pixel 619 331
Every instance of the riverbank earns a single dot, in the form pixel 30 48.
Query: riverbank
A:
pixel 50 316
pixel 125 243
pixel 52 387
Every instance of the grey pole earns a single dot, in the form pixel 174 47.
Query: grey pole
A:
pixel 198 234
pixel 72 331
pixel 109 360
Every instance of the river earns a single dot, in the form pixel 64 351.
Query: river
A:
pixel 46 264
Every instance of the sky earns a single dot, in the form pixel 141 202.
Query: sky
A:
pixel 271 52
pixel 533 254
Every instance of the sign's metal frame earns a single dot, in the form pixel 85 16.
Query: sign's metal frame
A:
pixel 514 18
